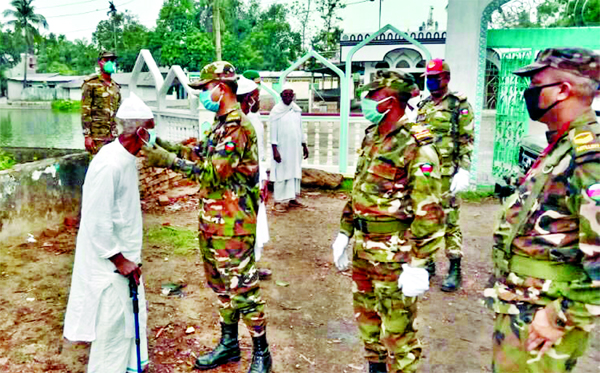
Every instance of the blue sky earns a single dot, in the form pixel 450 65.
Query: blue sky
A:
pixel 78 18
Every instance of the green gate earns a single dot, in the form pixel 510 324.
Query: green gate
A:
pixel 512 121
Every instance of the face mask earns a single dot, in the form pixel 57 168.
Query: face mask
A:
pixel 369 109
pixel 151 137
pixel 253 105
pixel 207 102
pixel 109 67
pixel 433 84
pixel 532 101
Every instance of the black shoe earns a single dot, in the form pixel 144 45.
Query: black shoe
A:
pixel 261 357
pixel 264 274
pixel 430 267
pixel 226 351
pixel 454 279
pixel 377 368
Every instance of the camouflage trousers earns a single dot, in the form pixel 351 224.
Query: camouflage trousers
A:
pixel 510 355
pixel 231 272
pixel 453 236
pixel 385 317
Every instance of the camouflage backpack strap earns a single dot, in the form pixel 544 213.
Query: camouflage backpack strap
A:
pixel 422 134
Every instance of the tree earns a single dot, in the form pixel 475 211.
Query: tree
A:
pixel 9 55
pixel 124 33
pixel 26 22
pixel 547 13
pixel 56 54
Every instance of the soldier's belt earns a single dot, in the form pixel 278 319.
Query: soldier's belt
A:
pixel 543 269
pixel 391 226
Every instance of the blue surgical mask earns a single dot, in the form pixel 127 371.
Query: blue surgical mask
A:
pixel 151 137
pixel 207 102
pixel 109 67
pixel 433 84
pixel 369 109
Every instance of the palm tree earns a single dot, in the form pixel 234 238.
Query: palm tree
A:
pixel 26 22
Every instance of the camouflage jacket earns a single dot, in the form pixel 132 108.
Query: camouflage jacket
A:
pixel 228 176
pixel 439 118
pixel 397 179
pixel 554 258
pixel 99 105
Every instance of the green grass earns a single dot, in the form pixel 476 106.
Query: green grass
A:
pixel 67 106
pixel 6 160
pixel 477 195
pixel 179 241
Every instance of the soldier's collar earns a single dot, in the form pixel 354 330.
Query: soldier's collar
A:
pixel 224 116
pixel 586 118
pixel 393 127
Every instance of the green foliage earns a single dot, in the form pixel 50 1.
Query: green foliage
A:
pixel 7 161
pixel 67 106
pixel 179 241
pixel 56 54
pixel 477 195
pixel 547 13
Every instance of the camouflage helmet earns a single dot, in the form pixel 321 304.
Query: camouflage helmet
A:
pixel 401 82
pixel 107 54
pixel 218 70
pixel 579 61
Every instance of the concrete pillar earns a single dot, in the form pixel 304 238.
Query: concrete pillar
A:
pixel 462 44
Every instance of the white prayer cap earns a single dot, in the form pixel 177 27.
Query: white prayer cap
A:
pixel 134 108
pixel 246 85
pixel 287 86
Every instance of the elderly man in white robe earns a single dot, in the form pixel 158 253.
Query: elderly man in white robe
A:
pixel 109 248
pixel 289 147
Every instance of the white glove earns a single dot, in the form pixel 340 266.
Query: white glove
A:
pixel 339 252
pixel 262 231
pixel 413 281
pixel 460 181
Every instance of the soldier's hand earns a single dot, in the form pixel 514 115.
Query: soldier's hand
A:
pixel 167 145
pixel 90 145
pixel 159 157
pixel 543 331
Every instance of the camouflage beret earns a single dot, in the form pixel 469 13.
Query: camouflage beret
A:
pixel 252 75
pixel 578 61
pixel 401 82
pixel 218 70
pixel 107 54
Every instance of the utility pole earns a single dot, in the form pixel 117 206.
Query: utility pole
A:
pixel 379 13
pixel 112 12
pixel 217 28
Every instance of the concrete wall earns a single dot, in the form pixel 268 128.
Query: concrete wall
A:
pixel 36 195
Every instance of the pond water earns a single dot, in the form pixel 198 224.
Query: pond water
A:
pixel 40 128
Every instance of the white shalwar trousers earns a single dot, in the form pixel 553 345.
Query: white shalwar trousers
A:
pixel 113 350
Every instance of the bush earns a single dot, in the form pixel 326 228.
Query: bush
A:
pixel 68 106
pixel 7 160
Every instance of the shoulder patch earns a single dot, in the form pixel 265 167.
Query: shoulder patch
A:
pixel 593 191
pixel 460 96
pixel 421 134
pixel 234 116
pixel 90 77
pixel 584 142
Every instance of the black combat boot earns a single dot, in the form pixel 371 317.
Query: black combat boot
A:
pixel 261 357
pixel 377 368
pixel 454 279
pixel 227 350
pixel 430 267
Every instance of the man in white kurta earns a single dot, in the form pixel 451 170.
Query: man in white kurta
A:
pixel 108 251
pixel 288 142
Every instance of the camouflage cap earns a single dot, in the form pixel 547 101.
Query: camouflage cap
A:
pixel 437 66
pixel 401 82
pixel 107 54
pixel 578 61
pixel 218 70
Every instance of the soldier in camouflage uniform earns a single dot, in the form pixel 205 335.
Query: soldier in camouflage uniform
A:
pixel 546 252
pixel 100 100
pixel 450 118
pixel 396 219
pixel 229 197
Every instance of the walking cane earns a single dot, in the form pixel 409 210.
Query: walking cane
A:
pixel 133 293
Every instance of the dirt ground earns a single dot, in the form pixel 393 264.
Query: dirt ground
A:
pixel 311 326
